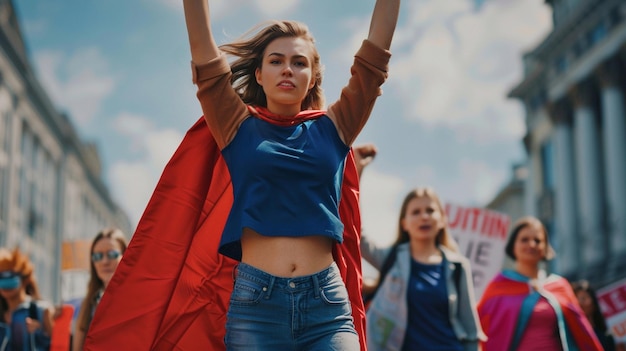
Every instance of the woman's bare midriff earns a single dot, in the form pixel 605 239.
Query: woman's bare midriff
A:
pixel 286 256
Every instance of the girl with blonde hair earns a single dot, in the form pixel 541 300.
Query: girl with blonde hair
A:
pixel 424 299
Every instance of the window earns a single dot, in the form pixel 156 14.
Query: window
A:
pixel 537 100
pixel 598 33
pixel 561 64
pixel 547 165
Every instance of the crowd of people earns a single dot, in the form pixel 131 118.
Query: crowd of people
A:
pixel 423 300
pixel 253 240
pixel 28 322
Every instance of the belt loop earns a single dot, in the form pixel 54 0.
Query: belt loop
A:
pixel 270 286
pixel 316 285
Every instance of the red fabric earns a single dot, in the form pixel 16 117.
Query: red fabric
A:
pixel 501 303
pixel 171 289
pixel 60 338
pixel 575 318
pixel 284 121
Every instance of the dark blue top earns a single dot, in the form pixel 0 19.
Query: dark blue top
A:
pixel 429 327
pixel 16 337
pixel 286 181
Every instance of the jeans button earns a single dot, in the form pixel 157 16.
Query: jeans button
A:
pixel 292 285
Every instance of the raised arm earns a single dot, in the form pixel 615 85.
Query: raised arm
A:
pixel 363 155
pixel 369 72
pixel 201 42
pixel 383 24
pixel 222 108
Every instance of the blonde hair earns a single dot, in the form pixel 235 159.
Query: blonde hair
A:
pixel 249 50
pixel 95 283
pixel 443 237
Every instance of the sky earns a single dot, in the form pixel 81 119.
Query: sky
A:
pixel 120 69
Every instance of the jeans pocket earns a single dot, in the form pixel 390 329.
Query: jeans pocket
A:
pixel 246 293
pixel 335 293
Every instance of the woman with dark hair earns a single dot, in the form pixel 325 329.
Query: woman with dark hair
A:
pixel 526 309
pixel 588 300
pixel 26 321
pixel 107 248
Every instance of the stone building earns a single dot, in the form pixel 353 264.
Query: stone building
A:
pixel 51 188
pixel 574 94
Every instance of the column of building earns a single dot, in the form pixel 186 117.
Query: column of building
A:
pixel 530 195
pixel 12 176
pixel 565 190
pixel 610 78
pixel 5 124
pixel 589 167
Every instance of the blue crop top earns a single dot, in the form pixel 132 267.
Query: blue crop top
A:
pixel 286 181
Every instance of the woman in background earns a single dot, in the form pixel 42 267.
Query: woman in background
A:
pixel 425 300
pixel 588 300
pixel 26 321
pixel 526 309
pixel 107 248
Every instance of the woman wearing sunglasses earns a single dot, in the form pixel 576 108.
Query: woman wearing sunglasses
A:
pixel 26 321
pixel 106 253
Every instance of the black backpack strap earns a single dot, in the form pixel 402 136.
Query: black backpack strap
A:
pixel 32 310
pixel 389 261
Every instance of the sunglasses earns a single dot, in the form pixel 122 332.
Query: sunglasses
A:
pixel 10 280
pixel 111 254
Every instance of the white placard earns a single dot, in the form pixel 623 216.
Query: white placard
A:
pixel 481 235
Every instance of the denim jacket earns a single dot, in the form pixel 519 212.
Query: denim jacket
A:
pixel 387 316
pixel 15 337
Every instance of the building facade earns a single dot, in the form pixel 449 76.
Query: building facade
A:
pixel 574 94
pixel 510 199
pixel 51 189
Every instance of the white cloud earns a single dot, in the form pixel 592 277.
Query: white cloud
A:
pixel 473 183
pixel 78 83
pixel 133 181
pixel 454 65
pixel 276 8
pixel 380 200
pixel 132 184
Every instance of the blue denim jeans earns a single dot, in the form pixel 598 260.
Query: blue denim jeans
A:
pixel 302 313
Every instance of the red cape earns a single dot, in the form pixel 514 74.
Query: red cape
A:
pixel 172 288
pixel 501 303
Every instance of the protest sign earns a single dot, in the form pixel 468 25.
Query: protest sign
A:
pixel 481 235
pixel 75 266
pixel 612 300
